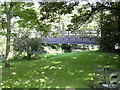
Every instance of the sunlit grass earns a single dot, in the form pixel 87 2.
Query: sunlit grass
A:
pixel 0 72
pixel 69 70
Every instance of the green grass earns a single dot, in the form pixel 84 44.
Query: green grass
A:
pixel 0 72
pixel 69 70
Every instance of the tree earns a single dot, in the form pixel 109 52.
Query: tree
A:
pixel 109 26
pixel 15 9
pixel 55 11
pixel 8 9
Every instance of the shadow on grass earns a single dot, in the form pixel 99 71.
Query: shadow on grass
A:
pixel 73 70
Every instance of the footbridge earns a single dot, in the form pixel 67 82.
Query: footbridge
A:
pixel 88 37
pixel 86 41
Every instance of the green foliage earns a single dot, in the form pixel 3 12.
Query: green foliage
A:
pixel 110 29
pixel 28 17
pixel 31 46
pixel 83 17
pixel 2 33
pixel 66 47
pixel 54 8
pixel 109 24
pixel 54 46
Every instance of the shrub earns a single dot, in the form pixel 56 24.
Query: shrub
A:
pixel 26 45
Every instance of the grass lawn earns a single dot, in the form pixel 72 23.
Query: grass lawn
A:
pixel 69 70
pixel 0 73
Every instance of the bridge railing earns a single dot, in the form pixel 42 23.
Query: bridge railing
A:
pixel 69 40
pixel 81 34
pixel 86 37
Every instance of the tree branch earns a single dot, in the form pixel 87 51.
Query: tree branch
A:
pixel 111 8
pixel 99 7
pixel 11 6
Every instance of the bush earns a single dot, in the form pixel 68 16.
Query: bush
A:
pixel 28 46
pixel 66 47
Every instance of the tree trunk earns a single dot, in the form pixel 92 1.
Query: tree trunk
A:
pixel 29 56
pixel 8 13
pixel 101 28
pixel 118 27
pixel 7 63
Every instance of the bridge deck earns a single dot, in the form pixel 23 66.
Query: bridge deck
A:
pixel 89 41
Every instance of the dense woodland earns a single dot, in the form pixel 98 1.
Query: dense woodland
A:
pixel 24 23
